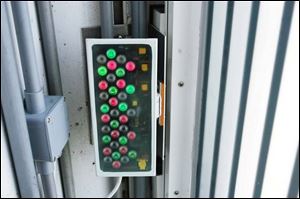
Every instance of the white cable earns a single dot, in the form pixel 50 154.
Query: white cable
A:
pixel 115 189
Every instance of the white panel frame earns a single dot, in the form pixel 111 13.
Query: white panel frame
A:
pixel 154 110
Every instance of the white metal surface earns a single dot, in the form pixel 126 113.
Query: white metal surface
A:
pixel 285 136
pixel 9 188
pixel 268 26
pixel 154 110
pixel 239 34
pixel 215 62
pixel 69 18
pixel 183 56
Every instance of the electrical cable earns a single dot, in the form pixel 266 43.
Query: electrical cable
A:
pixel 115 189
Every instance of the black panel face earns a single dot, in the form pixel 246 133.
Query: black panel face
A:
pixel 122 82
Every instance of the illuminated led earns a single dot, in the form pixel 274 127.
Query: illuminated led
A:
pixel 111 65
pixel 123 119
pixel 120 72
pixel 123 150
pixel 116 164
pixel 114 124
pixel 134 102
pixel 105 118
pixel 113 90
pixel 123 140
pixel 113 101
pixel 104 108
pixel 130 89
pixel 131 135
pixel 130 66
pixel 132 154
pixel 106 139
pixel 123 106
pixel 115 134
pixel 106 151
pixel 111 53
pixel 102 71
pixel 116 155
pixel 102 85
pixel 121 83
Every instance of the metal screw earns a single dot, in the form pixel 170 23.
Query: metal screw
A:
pixel 49 119
pixel 180 84
pixel 176 192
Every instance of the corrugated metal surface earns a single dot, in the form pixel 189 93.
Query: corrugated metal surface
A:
pixel 250 116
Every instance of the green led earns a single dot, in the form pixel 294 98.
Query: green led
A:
pixel 132 154
pixel 123 140
pixel 114 124
pixel 102 71
pixel 116 155
pixel 111 53
pixel 123 106
pixel 120 72
pixel 104 108
pixel 130 89
pixel 113 90
pixel 106 139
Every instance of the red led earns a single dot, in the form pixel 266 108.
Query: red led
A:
pixel 116 164
pixel 113 101
pixel 131 135
pixel 123 150
pixel 102 85
pixel 130 66
pixel 121 83
pixel 111 65
pixel 105 118
pixel 123 119
pixel 115 134
pixel 106 151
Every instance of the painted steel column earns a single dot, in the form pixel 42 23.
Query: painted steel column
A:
pixel 106 19
pixel 54 84
pixel 13 110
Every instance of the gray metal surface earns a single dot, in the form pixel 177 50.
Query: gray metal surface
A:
pixel 12 107
pixel 33 88
pixel 106 12
pixel 54 84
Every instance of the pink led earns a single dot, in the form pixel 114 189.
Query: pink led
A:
pixel 115 134
pixel 130 66
pixel 123 119
pixel 105 118
pixel 131 135
pixel 123 150
pixel 111 65
pixel 121 83
pixel 106 151
pixel 113 101
pixel 102 85
pixel 116 164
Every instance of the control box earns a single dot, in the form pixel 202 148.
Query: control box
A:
pixel 124 103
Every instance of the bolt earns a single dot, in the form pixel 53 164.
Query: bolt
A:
pixel 180 84
pixel 49 120
pixel 176 192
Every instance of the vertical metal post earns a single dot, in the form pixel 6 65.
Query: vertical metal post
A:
pixel 106 19
pixel 34 97
pixel 54 84
pixel 14 115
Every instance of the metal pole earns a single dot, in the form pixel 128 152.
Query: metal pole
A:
pixel 34 97
pixel 142 19
pixel 14 115
pixel 106 19
pixel 54 84
pixel 135 19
